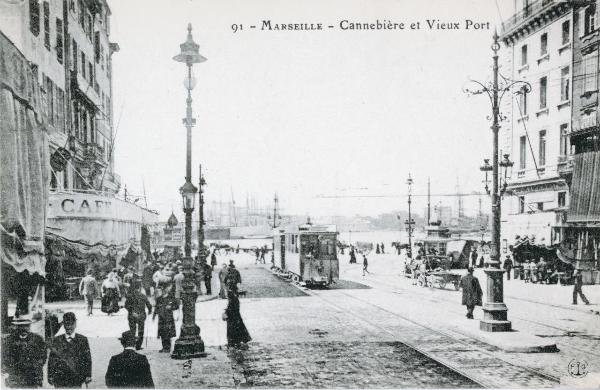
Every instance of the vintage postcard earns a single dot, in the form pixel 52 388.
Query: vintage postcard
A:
pixel 300 194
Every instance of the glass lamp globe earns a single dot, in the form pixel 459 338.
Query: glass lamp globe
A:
pixel 189 82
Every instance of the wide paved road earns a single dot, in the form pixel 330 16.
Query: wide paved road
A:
pixel 329 338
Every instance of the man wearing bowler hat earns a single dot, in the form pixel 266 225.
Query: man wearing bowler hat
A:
pixel 70 361
pixel 129 368
pixel 23 356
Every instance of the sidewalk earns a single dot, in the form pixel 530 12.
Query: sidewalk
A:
pixel 539 312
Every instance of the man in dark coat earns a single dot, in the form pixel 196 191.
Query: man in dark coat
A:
pixel 129 368
pixel 23 356
pixel 70 362
pixel 233 278
pixel 577 283
pixel 471 292
pixel 207 276
pixel 166 303
pixel 508 264
pixel 136 304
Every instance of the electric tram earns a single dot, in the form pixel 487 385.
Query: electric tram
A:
pixel 307 253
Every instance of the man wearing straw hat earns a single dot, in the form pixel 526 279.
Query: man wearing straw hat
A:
pixel 23 356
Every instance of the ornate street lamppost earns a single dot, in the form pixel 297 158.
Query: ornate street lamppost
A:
pixel 189 344
pixel 409 222
pixel 495 312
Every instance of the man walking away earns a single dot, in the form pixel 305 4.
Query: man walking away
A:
pixel 577 283
pixel 88 288
pixel 70 362
pixel 23 356
pixel 365 265
pixel 147 282
pixel 471 292
pixel 129 368
pixel 508 266
pixel 233 278
pixel 382 249
pixel 136 304
pixel 207 276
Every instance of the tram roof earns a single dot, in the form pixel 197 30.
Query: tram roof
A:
pixel 305 228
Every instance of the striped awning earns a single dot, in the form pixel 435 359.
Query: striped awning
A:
pixel 585 189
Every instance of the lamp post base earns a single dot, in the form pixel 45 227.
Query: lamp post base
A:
pixel 495 312
pixel 188 348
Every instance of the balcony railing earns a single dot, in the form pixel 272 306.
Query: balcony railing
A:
pixel 529 11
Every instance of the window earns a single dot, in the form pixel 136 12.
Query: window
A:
pixel 81 10
pixel 543 85
pixel 59 40
pixel 564 139
pixel 60 108
pixel 49 99
pixel 84 125
pixel 522 152
pixel 83 65
pixel 97 46
pixel 590 68
pixel 564 84
pixel 523 101
pixel 543 44
pixel 76 121
pixel 34 17
pixel 75 54
pixel 542 148
pixel 524 55
pixel 589 20
pixel 47 25
pixel 540 206
pixel 566 32
pixel 562 199
pixel 521 204
pixel 89 26
pixel 91 73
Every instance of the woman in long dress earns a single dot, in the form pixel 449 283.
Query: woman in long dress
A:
pixel 110 295
pixel 237 334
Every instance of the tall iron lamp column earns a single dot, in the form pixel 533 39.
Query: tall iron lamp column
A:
pixel 189 344
pixel 495 312
pixel 410 221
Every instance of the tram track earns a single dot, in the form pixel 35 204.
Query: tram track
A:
pixel 566 332
pixel 461 347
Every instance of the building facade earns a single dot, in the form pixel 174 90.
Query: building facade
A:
pixel 538 47
pixel 581 168
pixel 67 44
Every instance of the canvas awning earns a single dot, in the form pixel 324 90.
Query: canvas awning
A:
pixel 584 206
pixel 455 246
pixel 24 164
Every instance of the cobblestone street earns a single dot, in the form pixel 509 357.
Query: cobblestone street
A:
pixel 349 336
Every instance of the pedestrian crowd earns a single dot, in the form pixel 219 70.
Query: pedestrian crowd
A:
pixel 24 353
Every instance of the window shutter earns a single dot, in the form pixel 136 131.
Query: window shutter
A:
pixel 581 23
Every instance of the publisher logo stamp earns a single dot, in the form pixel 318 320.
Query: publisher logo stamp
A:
pixel 578 368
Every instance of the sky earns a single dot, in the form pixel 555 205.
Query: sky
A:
pixel 330 120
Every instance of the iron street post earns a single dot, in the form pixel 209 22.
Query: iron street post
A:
pixel 409 222
pixel 495 312
pixel 189 344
